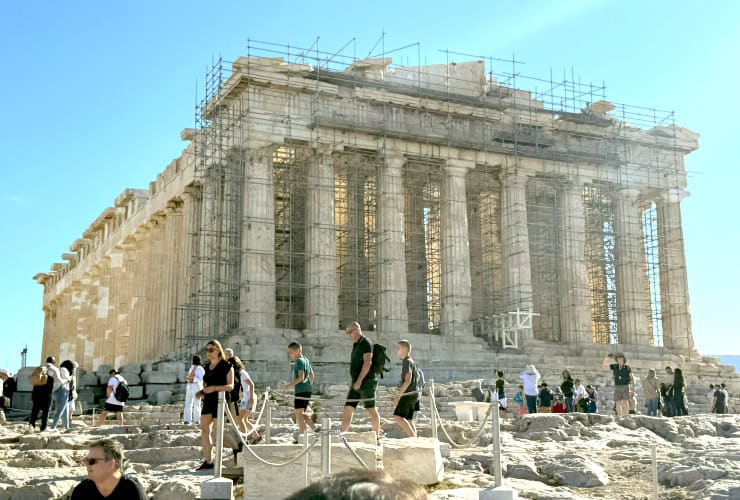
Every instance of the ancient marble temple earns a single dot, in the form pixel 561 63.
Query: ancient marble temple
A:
pixel 437 203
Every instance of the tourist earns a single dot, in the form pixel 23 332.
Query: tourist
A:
pixel 112 404
pixel 545 399
pixel 362 381
pixel 710 394
pixel 519 400
pixel 360 484
pixel 218 377
pixel 531 377
pixel 10 384
pixel 500 387
pixel 723 387
pixel 679 395
pixel 72 366
pixel 558 403
pixel 593 399
pixel 303 377
pixel 248 403
pixel 633 395
pixel 567 388
pixel 4 400
pixel 43 385
pixel 60 395
pixel 195 384
pixel 233 398
pixel 580 403
pixel 719 401
pixel 651 391
pixel 407 400
pixel 622 378
pixel 105 478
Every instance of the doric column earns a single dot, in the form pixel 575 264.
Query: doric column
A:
pixel 392 306
pixel 321 247
pixel 633 303
pixel 455 252
pixel 515 241
pixel 674 291
pixel 257 294
pixel 575 306
pixel 416 255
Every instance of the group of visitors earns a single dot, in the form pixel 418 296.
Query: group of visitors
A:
pixel 536 396
pixel 57 385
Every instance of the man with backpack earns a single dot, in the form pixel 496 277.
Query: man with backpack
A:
pixel 117 393
pixel 42 380
pixel 363 380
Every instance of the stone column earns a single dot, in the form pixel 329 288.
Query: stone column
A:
pixel 633 303
pixel 257 294
pixel 391 272
pixel 321 247
pixel 416 259
pixel 674 291
pixel 455 251
pixel 515 236
pixel 575 299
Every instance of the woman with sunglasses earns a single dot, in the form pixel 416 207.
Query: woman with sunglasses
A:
pixel 219 377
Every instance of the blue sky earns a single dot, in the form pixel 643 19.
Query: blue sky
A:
pixel 95 95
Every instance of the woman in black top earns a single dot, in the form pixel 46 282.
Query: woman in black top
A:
pixel 219 377
pixel 678 393
pixel 567 388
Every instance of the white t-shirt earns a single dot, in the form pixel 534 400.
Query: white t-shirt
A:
pixel 246 394
pixel 113 382
pixel 198 373
pixel 530 383
pixel 580 392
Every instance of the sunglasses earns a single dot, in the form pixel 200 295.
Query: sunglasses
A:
pixel 92 461
pixel 211 349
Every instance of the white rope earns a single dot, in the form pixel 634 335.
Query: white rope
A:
pixel 289 396
pixel 444 431
pixel 354 453
pixel 248 447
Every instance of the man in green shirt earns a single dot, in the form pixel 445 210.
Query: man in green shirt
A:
pixel 303 377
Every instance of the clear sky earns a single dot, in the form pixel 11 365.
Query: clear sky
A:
pixel 95 95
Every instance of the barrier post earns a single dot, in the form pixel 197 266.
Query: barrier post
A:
pixel 496 438
pixel 432 407
pixel 654 460
pixel 325 446
pixel 305 458
pixel 219 434
pixel 268 416
pixel 92 424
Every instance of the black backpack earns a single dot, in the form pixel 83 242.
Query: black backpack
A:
pixel 122 391
pixel 380 358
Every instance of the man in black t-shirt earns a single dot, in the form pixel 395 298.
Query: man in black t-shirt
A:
pixel 405 405
pixel 105 479
pixel 623 383
pixel 363 382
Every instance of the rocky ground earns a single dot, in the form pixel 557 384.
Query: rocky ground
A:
pixel 544 456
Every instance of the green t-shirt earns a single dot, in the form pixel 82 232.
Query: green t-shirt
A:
pixel 302 364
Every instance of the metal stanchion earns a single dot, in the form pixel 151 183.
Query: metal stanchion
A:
pixel 654 459
pixel 219 434
pixel 268 416
pixel 306 458
pixel 496 435
pixel 431 407
pixel 325 446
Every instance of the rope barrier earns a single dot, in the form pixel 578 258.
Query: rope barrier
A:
pixel 248 447
pixel 354 453
pixel 302 398
pixel 444 431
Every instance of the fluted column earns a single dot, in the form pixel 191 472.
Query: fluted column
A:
pixel 515 236
pixel 321 247
pixel 575 307
pixel 674 291
pixel 392 306
pixel 633 303
pixel 257 294
pixel 455 250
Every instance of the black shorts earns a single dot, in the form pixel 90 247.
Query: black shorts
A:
pixel 113 408
pixel 367 391
pixel 301 403
pixel 406 407
pixel 210 407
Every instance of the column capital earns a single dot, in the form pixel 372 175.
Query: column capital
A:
pixel 629 193
pixel 673 195
pixel 570 183
pixel 395 162
pixel 513 178
pixel 324 149
pixel 459 167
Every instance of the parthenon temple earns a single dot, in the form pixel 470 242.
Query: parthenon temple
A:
pixel 477 212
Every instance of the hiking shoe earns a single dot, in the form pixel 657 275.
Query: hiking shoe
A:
pixel 205 466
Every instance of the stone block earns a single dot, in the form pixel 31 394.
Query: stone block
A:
pixel 132 378
pixel 163 454
pixel 161 398
pixel 367 437
pixel 22 401
pixel 150 389
pixel 498 493
pixel 176 489
pixel 415 459
pixel 88 380
pixel 170 366
pixel 103 371
pixel 136 391
pixel 158 377
pixel 22 379
pixel 131 368
pixel 217 488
